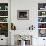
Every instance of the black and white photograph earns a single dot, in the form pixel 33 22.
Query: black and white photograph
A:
pixel 42 32
pixel 23 14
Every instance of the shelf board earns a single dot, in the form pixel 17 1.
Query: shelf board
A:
pixel 42 16
pixel 41 10
pixel 3 22
pixel 3 16
pixel 3 10
pixel 41 28
pixel 41 22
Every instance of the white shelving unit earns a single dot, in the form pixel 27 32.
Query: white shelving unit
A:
pixel 4 22
pixel 4 19
pixel 42 19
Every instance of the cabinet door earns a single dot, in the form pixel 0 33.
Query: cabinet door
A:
pixel 41 41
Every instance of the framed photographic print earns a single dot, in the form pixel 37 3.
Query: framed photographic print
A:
pixel 23 14
pixel 42 32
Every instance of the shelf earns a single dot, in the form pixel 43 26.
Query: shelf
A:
pixel 3 16
pixel 41 28
pixel 4 19
pixel 41 22
pixel 42 16
pixel 3 22
pixel 41 10
pixel 3 10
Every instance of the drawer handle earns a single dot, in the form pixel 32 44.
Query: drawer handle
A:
pixel 1 39
pixel 43 39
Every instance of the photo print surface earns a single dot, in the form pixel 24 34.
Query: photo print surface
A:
pixel 23 14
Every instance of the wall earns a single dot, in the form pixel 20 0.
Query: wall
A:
pixel 32 6
pixel 24 5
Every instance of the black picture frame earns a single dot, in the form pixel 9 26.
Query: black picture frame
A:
pixel 23 14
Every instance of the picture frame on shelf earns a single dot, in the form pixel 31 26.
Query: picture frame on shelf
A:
pixel 42 33
pixel 3 6
pixel 41 6
pixel 4 29
pixel 23 14
pixel 6 7
pixel 3 19
pixel 41 19
pixel 3 13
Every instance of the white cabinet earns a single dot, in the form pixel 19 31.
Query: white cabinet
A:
pixel 16 37
pixel 41 41
pixel 3 40
pixel 4 21
pixel 42 19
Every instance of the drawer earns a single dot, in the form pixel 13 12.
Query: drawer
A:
pixel 3 41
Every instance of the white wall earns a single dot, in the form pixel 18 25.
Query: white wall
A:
pixel 32 6
pixel 24 5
